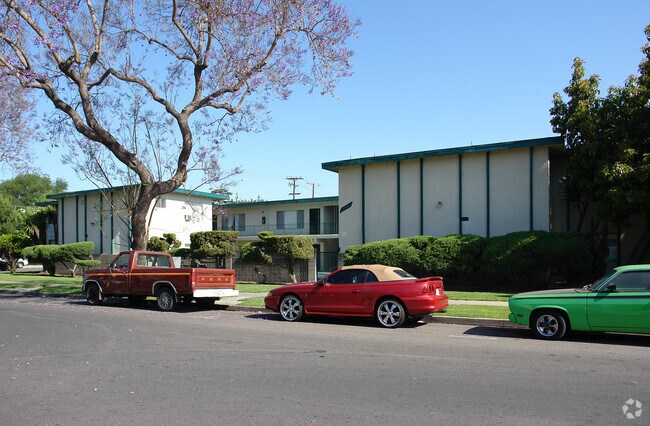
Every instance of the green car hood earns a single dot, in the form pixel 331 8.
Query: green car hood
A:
pixel 549 292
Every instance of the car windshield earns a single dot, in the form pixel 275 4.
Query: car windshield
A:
pixel 599 282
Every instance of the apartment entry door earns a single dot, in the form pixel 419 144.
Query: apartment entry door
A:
pixel 314 221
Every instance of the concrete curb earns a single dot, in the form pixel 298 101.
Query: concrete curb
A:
pixel 476 322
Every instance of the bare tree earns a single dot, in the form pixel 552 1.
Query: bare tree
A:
pixel 222 58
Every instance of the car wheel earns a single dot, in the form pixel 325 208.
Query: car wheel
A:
pixel 390 313
pixel 549 325
pixel 92 295
pixel 291 308
pixel 19 265
pixel 166 299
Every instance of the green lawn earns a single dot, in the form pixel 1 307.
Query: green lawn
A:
pixel 476 311
pixel 38 278
pixel 256 288
pixel 484 296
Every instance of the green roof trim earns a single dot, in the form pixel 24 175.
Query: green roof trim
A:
pixel 333 166
pixel 119 188
pixel 266 203
pixel 45 203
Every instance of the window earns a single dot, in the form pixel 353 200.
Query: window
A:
pixel 632 281
pixel 162 203
pixel 291 219
pixel 152 260
pixel 352 276
pixel 235 222
pixel 121 262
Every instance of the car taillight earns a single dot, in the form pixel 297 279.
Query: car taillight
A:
pixel 425 289
pixel 438 291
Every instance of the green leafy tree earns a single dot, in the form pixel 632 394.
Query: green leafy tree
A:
pixel 201 71
pixel 29 189
pixel 11 246
pixel 10 217
pixel 607 142
pixel 289 248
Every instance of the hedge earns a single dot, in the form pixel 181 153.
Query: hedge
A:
pixel 519 260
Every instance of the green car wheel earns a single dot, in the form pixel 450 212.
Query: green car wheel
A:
pixel 548 325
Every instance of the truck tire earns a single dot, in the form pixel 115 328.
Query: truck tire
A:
pixel 92 295
pixel 166 299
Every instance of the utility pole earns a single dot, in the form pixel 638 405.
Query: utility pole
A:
pixel 293 185
pixel 313 188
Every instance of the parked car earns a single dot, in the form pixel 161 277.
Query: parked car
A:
pixel 388 294
pixel 4 264
pixel 617 302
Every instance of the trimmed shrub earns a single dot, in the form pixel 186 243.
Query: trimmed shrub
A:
pixel 289 249
pixel 216 245
pixel 520 260
pixel 538 257
pixel 69 255
pixel 157 244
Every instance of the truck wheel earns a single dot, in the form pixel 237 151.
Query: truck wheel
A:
pixel 166 299
pixel 92 295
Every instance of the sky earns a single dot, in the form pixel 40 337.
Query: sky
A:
pixel 428 75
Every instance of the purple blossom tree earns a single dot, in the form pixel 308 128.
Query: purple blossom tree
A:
pixel 16 127
pixel 156 86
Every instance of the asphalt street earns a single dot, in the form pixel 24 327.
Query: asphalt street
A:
pixel 64 362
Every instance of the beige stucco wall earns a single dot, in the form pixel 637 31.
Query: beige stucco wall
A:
pixel 80 220
pixel 410 198
pixel 441 191
pixel 350 219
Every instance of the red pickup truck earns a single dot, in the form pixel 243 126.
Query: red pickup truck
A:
pixel 139 274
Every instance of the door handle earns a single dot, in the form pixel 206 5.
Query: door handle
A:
pixel 355 291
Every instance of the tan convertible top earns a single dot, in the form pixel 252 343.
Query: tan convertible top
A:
pixel 385 273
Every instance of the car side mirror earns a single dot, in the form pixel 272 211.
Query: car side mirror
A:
pixel 611 288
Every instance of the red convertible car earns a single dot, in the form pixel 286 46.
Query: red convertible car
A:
pixel 387 293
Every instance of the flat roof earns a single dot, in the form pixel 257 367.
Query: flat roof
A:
pixel 298 201
pixel 119 188
pixel 333 166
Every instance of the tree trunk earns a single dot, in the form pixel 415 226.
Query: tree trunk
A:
pixel 642 247
pixel 139 218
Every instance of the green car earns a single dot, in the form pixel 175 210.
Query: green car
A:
pixel 617 302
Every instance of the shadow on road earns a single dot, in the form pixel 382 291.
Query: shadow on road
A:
pixel 346 321
pixel 640 340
